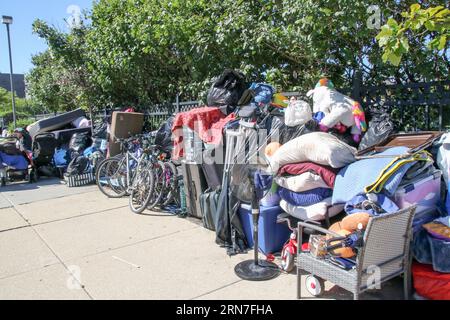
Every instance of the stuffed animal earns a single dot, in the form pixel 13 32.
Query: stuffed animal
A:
pixel 340 111
pixel 271 148
pixel 349 224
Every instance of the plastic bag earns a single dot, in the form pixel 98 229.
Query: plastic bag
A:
pixel 78 165
pixel 298 112
pixel 226 90
pixel 79 141
pixel 164 136
pixel 379 129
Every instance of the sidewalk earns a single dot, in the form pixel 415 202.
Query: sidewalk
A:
pixel 49 232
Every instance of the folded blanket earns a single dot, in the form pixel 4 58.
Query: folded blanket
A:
pixel 374 174
pixel 303 182
pixel 306 198
pixel 327 173
pixel 314 212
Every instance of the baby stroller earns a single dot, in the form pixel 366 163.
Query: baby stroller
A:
pixel 15 164
pixel 44 145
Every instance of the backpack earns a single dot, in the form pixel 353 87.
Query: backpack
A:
pixel 262 93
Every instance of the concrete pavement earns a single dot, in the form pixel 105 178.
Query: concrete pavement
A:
pixel 74 243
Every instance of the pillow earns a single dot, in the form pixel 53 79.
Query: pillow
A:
pixel 315 212
pixel 319 147
pixel 303 182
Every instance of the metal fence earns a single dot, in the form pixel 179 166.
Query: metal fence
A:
pixel 413 106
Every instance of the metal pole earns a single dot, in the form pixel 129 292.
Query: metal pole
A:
pixel 11 77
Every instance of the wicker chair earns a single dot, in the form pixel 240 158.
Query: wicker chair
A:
pixel 385 251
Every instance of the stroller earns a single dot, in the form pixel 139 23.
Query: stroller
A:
pixel 15 164
pixel 44 145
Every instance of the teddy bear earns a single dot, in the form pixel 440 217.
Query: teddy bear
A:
pixel 339 111
pixel 348 225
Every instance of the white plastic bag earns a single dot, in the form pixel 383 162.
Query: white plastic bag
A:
pixel 443 157
pixel 298 112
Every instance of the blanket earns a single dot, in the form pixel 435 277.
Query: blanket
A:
pixel 375 174
pixel 315 212
pixel 207 122
pixel 328 174
pixel 18 162
pixel 306 198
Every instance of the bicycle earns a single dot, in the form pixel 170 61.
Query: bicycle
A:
pixel 115 175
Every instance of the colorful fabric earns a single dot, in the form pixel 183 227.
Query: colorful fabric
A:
pixel 306 198
pixel 360 118
pixel 207 122
pixel 327 173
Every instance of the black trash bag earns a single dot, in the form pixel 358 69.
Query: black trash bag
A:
pixel 79 165
pixel 100 130
pixel 288 133
pixel 80 141
pixel 226 90
pixel 378 130
pixel 163 136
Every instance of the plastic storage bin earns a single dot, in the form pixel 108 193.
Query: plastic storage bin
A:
pixel 424 192
pixel 272 235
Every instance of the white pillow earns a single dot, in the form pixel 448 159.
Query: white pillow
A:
pixel 319 147
pixel 300 183
pixel 315 212
pixel 298 112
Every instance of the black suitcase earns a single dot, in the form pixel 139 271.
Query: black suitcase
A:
pixel 212 165
pixel 208 205
pixel 194 185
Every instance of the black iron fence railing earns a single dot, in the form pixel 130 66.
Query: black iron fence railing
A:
pixel 413 106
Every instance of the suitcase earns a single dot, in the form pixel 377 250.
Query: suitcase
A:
pixel 194 185
pixel 124 125
pixel 208 206
pixel 213 164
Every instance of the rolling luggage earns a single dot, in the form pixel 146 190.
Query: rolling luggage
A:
pixel 208 206
pixel 212 165
pixel 194 185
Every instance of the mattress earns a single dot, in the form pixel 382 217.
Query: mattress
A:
pixel 55 123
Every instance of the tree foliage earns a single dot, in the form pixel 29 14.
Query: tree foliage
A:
pixel 139 52
pixel 430 25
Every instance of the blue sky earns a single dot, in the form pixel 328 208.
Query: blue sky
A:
pixel 24 43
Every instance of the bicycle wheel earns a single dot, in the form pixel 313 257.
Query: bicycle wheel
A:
pixel 111 177
pixel 170 194
pixel 157 170
pixel 142 188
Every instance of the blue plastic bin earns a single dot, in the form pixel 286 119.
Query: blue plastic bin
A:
pixel 272 235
